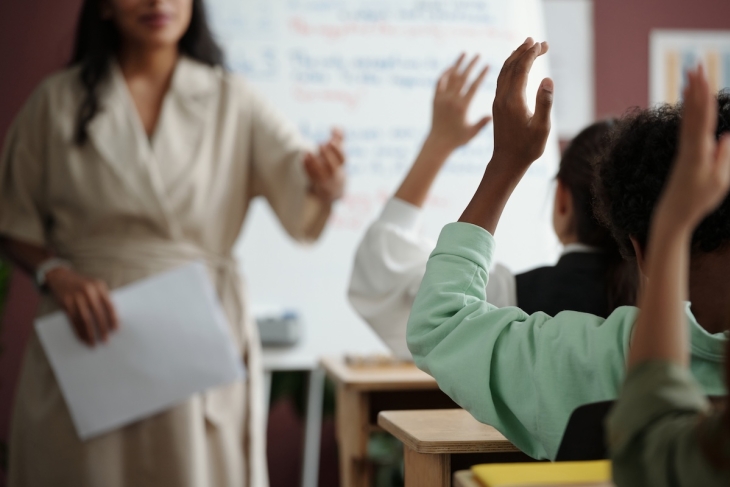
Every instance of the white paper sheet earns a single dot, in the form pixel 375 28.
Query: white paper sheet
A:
pixel 173 342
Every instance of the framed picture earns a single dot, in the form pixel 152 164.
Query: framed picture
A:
pixel 673 52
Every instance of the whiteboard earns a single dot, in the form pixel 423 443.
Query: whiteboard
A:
pixel 370 66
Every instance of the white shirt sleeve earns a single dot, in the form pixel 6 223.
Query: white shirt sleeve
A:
pixel 501 287
pixel 389 265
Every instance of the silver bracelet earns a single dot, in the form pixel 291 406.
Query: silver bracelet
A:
pixel 45 267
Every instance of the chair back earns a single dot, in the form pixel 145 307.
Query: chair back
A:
pixel 585 435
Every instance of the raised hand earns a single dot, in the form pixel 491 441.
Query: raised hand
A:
pixel 700 178
pixel 449 128
pixel 86 302
pixel 697 184
pixel 519 135
pixel 326 169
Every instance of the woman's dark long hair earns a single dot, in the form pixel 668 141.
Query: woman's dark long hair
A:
pixel 98 40
pixel 576 173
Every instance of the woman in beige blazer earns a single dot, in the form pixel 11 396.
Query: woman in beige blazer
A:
pixel 142 156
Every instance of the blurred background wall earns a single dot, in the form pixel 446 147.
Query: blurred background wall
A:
pixel 36 38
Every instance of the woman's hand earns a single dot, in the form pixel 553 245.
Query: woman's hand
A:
pixel 700 178
pixel 326 169
pixel 519 135
pixel 86 302
pixel 449 128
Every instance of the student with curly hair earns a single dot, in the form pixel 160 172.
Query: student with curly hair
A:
pixel 663 431
pixel 526 373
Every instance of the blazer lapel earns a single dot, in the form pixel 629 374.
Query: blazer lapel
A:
pixel 119 137
pixel 185 118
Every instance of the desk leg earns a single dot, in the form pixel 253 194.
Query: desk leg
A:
pixel 352 437
pixel 427 470
pixel 313 428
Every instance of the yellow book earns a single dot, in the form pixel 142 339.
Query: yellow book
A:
pixel 525 474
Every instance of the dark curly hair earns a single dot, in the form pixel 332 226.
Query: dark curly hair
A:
pixel 632 172
pixel 577 172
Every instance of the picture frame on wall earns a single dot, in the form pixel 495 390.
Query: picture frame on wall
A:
pixel 673 52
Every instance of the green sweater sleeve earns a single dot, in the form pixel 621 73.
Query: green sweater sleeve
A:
pixel 657 430
pixel 523 374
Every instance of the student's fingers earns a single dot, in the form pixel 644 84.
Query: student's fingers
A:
pixel 543 105
pixel 521 69
pixel 477 127
pixel 505 73
pixel 722 162
pixel 527 44
pixel 98 313
pixel 696 112
pixel 462 77
pixel 86 322
pixel 476 84
pixel 453 72
pixel 443 81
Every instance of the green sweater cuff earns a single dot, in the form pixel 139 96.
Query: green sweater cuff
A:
pixel 467 241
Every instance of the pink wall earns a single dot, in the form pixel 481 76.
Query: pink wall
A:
pixel 36 38
pixel 622 43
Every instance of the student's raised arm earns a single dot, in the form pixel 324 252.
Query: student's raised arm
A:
pixel 697 184
pixel 523 374
pixel 519 136
pixel 662 431
pixel 391 258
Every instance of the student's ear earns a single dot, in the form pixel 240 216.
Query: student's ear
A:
pixel 640 262
pixel 563 199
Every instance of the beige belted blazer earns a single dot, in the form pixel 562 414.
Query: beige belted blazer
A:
pixel 124 206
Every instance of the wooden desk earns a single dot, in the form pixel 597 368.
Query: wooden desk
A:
pixel 464 478
pixel 433 438
pixel 362 392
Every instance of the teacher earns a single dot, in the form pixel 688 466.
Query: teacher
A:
pixel 142 156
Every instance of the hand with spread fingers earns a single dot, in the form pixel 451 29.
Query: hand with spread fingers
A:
pixel 326 169
pixel 520 136
pixel 449 127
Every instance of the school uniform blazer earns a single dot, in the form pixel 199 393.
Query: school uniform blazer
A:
pixel 123 207
pixel 391 259
pixel 576 282
pixel 524 373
